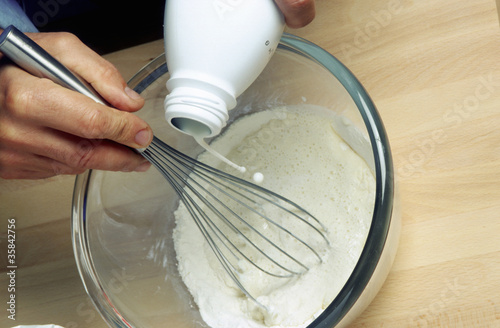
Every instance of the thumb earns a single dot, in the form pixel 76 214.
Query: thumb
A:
pixel 119 126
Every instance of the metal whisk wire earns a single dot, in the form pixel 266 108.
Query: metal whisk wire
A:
pixel 196 185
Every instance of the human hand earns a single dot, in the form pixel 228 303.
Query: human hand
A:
pixel 298 13
pixel 46 129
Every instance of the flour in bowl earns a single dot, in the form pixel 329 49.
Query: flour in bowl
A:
pixel 303 159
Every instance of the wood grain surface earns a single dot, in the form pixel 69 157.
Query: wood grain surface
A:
pixel 433 70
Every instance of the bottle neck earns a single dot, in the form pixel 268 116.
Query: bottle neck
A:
pixel 196 112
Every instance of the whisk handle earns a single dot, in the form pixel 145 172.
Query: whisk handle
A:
pixel 28 55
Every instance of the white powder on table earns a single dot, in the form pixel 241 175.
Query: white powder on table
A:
pixel 305 160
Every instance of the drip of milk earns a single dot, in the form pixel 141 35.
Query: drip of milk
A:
pixel 305 160
pixel 257 177
pixel 207 147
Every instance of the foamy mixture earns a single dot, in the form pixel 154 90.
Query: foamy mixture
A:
pixel 302 158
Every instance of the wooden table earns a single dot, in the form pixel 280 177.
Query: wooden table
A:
pixel 433 69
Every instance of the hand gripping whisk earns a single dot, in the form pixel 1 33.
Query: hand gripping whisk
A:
pixel 247 227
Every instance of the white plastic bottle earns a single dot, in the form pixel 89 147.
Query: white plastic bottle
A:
pixel 215 49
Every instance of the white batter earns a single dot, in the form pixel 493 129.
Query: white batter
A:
pixel 305 160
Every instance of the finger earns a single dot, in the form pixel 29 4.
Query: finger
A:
pixel 98 154
pixel 71 151
pixel 16 164
pixel 298 13
pixel 43 103
pixel 101 74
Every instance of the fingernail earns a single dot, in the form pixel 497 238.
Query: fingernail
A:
pixel 132 94
pixel 143 167
pixel 143 137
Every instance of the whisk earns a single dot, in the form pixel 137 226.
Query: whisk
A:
pixel 247 227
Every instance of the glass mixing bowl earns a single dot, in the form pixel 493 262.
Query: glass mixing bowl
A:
pixel 122 222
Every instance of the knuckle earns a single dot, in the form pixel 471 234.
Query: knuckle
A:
pixel 107 71
pixel 121 130
pixel 16 98
pixel 26 102
pixel 65 41
pixel 61 169
pixel 95 124
pixel 81 157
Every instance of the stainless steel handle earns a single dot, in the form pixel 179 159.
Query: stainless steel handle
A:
pixel 34 59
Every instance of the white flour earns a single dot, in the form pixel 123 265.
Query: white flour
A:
pixel 305 160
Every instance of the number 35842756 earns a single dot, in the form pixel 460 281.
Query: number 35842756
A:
pixel 11 239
